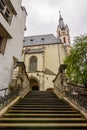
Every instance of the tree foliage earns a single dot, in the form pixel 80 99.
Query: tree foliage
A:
pixel 76 61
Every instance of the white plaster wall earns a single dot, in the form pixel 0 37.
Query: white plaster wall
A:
pixel 14 45
pixel 16 4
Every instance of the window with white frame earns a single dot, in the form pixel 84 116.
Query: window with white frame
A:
pixel 5 10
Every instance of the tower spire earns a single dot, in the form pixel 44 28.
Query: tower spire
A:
pixel 63 31
pixel 60 17
pixel 61 22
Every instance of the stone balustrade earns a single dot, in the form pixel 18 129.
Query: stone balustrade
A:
pixel 19 85
pixel 75 94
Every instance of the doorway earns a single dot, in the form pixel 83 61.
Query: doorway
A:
pixel 35 88
pixel 34 84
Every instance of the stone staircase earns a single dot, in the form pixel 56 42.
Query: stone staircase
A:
pixel 40 110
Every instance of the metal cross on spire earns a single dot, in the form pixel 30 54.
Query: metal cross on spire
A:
pixel 60 14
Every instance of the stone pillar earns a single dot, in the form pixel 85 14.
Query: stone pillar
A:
pixel 60 81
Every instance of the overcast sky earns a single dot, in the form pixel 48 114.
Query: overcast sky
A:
pixel 43 16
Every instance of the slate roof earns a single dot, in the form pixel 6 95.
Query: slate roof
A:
pixel 40 40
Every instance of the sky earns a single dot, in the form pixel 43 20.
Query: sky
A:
pixel 43 16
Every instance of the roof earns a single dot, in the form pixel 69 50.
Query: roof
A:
pixel 31 51
pixel 48 71
pixel 40 40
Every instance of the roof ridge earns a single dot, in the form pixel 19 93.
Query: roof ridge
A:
pixel 39 35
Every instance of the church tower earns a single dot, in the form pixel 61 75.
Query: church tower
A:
pixel 63 31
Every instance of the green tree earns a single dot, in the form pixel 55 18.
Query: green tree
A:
pixel 76 61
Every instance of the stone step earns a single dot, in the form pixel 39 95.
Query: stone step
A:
pixel 61 125
pixel 43 115
pixel 42 108
pixel 43 111
pixel 43 128
pixel 42 99
pixel 42 103
pixel 43 119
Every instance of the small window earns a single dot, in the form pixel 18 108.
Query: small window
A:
pixel 64 39
pixel 2 45
pixel 2 5
pixel 6 11
pixel 42 39
pixel 31 40
pixel 7 14
pixel 59 33
pixel 69 40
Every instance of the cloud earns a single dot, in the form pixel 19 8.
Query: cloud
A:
pixel 43 16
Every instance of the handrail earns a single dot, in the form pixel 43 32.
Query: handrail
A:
pixel 8 96
pixel 77 95
pixel 80 89
pixel 3 89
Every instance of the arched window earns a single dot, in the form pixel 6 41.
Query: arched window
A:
pixel 59 33
pixel 33 63
pixel 64 39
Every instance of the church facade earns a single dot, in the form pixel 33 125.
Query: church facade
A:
pixel 42 55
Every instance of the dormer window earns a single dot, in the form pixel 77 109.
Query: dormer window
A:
pixel 31 40
pixel 42 39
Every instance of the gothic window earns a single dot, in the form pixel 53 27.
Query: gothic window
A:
pixel 33 64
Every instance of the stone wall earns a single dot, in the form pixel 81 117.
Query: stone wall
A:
pixel 20 78
pixel 60 81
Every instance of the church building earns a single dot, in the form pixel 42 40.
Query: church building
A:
pixel 43 54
